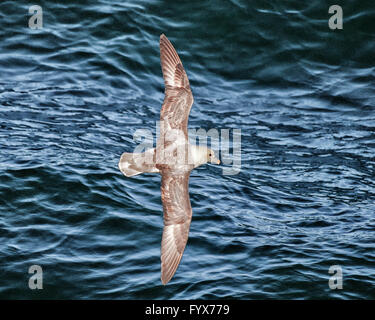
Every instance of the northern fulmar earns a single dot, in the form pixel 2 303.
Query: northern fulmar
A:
pixel 174 157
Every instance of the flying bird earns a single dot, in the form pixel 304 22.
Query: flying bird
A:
pixel 174 158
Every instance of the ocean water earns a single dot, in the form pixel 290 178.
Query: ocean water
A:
pixel 73 93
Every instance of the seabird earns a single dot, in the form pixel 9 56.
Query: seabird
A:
pixel 174 157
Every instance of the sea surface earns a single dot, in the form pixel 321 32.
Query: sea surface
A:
pixel 73 93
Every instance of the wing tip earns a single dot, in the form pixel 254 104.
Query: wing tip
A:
pixel 167 275
pixel 164 281
pixel 163 39
pixel 166 272
pixel 165 44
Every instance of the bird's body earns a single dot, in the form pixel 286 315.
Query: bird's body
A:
pixel 174 157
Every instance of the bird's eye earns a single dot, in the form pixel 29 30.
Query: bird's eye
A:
pixel 210 154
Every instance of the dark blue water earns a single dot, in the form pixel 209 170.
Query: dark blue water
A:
pixel 73 93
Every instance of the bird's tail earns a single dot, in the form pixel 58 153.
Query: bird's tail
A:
pixel 132 164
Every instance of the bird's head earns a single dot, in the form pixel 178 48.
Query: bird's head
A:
pixel 201 155
pixel 211 157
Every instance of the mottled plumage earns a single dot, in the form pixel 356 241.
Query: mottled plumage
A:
pixel 173 158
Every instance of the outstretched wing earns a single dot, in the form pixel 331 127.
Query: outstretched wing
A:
pixel 178 97
pixel 177 218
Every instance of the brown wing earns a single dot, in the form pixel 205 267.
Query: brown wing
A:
pixel 177 218
pixel 178 97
